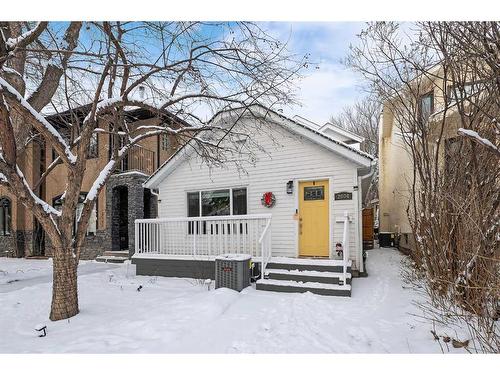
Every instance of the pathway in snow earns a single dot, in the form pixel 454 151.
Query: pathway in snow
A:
pixel 170 315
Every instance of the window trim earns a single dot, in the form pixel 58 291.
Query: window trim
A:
pixel 231 188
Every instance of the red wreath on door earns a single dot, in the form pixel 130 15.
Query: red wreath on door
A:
pixel 268 199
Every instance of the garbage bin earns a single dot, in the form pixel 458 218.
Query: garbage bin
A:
pixel 386 239
pixel 233 271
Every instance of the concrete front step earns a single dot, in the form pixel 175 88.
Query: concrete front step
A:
pixel 306 264
pixel 308 276
pixel 290 286
pixel 123 253
pixel 111 259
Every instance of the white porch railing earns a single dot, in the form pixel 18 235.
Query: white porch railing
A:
pixel 205 236
pixel 345 243
pixel 265 246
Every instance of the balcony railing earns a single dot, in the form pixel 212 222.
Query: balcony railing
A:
pixel 138 159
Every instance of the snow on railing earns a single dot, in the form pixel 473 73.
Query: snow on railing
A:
pixel 205 236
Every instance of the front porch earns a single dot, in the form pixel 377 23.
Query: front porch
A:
pixel 188 246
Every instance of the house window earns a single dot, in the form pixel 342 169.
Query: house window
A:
pixel 5 216
pixel 93 150
pixel 426 106
pixel 54 154
pixel 220 202
pixel 215 203
pixel 239 201
pixel 193 204
pixel 164 142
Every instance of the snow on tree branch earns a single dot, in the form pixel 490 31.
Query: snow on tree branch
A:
pixel 100 181
pixel 101 106
pixel 43 125
pixel 3 179
pixel 108 169
pixel 27 37
pixel 45 206
pixel 8 70
pixel 475 136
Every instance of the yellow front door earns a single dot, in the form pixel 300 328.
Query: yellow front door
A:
pixel 313 218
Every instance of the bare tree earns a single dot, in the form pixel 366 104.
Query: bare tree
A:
pixel 440 82
pixel 362 118
pixel 186 70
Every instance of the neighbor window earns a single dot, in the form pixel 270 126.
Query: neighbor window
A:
pixel 220 202
pixel 464 91
pixel 426 106
pixel 164 142
pixel 5 216
pixel 92 224
pixel 93 150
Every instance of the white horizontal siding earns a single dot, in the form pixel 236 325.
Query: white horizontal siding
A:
pixel 294 158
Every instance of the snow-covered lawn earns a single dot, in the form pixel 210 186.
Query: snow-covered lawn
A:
pixel 171 315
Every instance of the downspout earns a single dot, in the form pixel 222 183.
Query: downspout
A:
pixel 360 215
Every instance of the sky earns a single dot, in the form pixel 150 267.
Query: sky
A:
pixel 325 91
pixel 327 86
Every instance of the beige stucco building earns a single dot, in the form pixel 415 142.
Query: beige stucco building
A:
pixel 396 170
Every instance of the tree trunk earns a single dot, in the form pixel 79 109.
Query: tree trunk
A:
pixel 65 287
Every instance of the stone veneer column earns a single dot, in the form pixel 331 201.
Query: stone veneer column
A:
pixel 133 181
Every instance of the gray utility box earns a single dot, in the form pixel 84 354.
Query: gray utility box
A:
pixel 233 271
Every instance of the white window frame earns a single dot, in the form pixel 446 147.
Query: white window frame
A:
pixel 214 189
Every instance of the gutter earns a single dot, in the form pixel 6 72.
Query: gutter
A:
pixel 360 215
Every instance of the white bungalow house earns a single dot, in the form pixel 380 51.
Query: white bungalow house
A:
pixel 288 206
